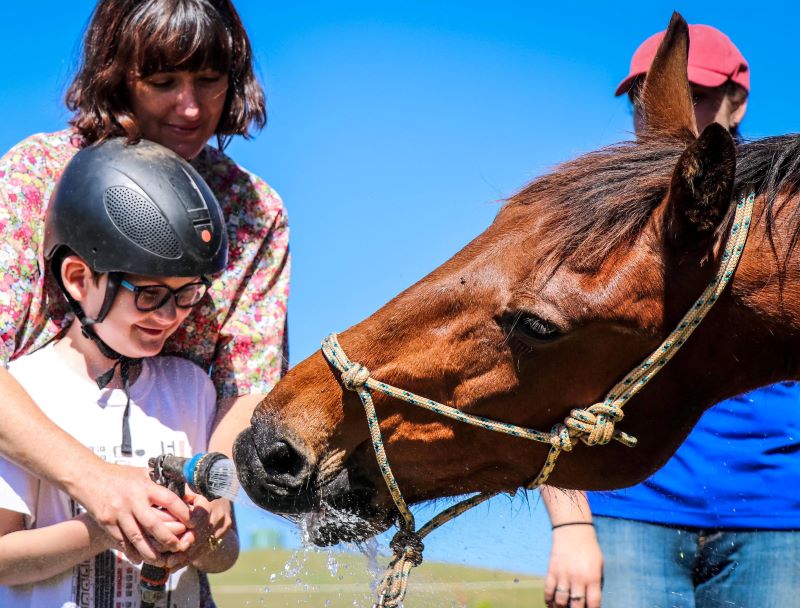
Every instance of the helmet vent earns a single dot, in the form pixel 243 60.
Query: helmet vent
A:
pixel 140 221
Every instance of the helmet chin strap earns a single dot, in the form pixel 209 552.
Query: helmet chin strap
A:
pixel 88 323
pixel 121 361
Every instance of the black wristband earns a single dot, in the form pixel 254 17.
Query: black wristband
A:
pixel 573 523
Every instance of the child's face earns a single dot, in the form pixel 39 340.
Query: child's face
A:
pixel 126 329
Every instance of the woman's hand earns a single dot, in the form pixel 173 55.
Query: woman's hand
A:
pixel 144 518
pixel 217 544
pixel 575 570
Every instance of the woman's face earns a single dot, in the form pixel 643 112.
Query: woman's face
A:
pixel 711 104
pixel 179 110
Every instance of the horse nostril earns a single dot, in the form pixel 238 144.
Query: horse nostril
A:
pixel 281 459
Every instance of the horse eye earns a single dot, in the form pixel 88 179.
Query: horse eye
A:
pixel 536 328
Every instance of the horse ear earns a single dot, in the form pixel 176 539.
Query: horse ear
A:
pixel 702 186
pixel 666 99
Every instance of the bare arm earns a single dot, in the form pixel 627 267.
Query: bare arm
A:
pixel 120 499
pixel 575 568
pixel 233 416
pixel 252 347
pixel 30 556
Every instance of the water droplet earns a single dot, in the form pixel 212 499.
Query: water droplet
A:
pixel 333 566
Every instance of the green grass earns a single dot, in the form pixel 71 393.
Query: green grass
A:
pixel 282 578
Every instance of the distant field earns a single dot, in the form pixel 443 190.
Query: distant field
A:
pixel 282 578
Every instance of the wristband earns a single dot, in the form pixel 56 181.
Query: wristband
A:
pixel 573 523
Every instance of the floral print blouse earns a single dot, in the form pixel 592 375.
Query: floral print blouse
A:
pixel 237 332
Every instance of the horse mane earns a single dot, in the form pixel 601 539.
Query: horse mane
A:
pixel 602 200
pixel 771 167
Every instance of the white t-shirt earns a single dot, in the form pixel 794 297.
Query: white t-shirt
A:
pixel 172 409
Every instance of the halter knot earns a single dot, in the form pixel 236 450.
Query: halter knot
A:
pixel 407 545
pixel 595 424
pixel 355 377
pixel 560 438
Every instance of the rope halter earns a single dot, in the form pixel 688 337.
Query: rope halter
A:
pixel 593 425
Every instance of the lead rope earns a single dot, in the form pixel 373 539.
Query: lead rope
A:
pixel 593 425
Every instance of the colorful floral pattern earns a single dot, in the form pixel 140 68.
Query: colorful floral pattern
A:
pixel 238 332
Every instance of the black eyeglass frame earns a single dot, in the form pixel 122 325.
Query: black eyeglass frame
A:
pixel 168 293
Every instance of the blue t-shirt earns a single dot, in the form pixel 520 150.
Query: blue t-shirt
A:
pixel 739 468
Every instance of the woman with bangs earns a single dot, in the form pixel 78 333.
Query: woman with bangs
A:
pixel 177 72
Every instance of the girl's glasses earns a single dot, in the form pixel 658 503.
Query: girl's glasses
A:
pixel 152 297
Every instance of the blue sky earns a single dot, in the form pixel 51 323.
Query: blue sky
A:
pixel 397 128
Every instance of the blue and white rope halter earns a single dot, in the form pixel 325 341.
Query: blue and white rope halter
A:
pixel 593 425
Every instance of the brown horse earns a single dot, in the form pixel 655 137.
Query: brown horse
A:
pixel 580 276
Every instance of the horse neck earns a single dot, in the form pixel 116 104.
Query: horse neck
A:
pixel 763 311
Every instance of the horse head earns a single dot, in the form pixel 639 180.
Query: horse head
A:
pixel 580 276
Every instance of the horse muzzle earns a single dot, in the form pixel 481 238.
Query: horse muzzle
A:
pixel 281 475
pixel 274 469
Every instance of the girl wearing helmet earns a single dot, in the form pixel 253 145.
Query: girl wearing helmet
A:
pixel 176 72
pixel 132 235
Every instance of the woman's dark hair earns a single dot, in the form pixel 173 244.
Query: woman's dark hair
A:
pixel 149 36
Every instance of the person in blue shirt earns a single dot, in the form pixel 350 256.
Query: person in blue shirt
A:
pixel 718 524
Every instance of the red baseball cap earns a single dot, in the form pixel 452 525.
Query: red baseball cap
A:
pixel 713 59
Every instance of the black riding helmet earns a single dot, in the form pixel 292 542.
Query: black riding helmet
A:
pixel 132 208
pixel 136 208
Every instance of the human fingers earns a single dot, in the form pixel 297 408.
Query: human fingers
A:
pixel 578 600
pixel 221 516
pixel 594 595
pixel 219 510
pixel 136 542
pixel 130 551
pixel 176 527
pixel 117 538
pixel 213 520
pixel 189 496
pixel 170 502
pixel 175 561
pixel 154 527
pixel 122 500
pixel 549 587
pixel 189 537
pixel 561 596
pixel 200 514
pixel 196 540
pixel 184 558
